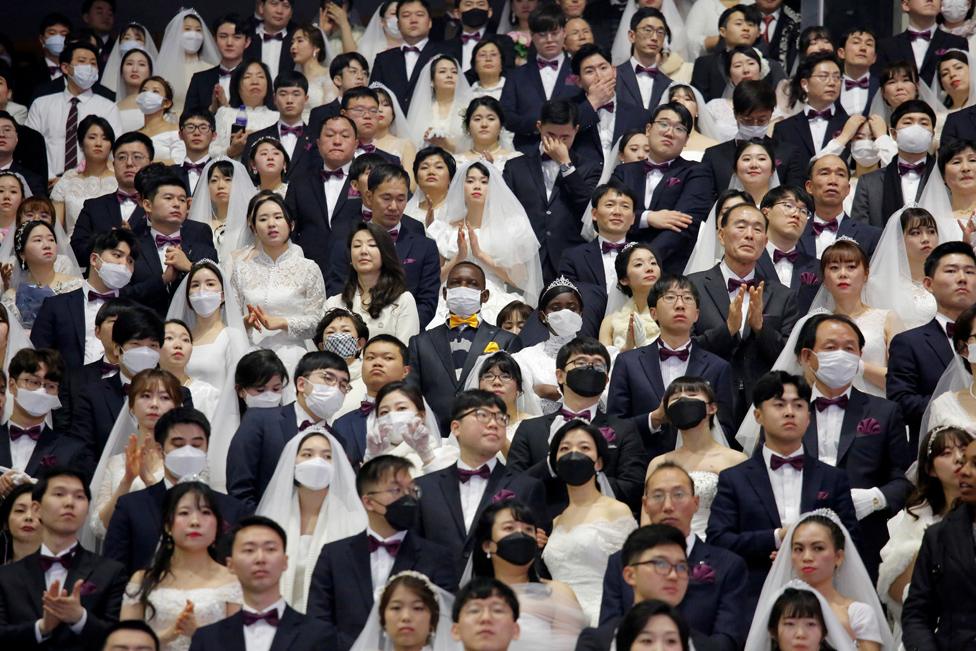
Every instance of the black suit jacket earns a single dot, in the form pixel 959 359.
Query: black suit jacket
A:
pixel 285 62
pixel 340 596
pixel 21 587
pixel 864 234
pixel 713 608
pixel 30 159
pixel 319 115
pixel 804 283
pixel 441 517
pixel 304 147
pixel 95 404
pixel 522 99
pixel 899 48
pixel 709 76
pixel 587 143
pixel 624 466
pixel 432 366
pixel 795 130
pixel 390 69
pixel 584 264
pixel 719 160
pixel 200 91
pixel 100 215
pixel 555 220
pixel 960 125
pixel 254 451
pixel 60 324
pixel 295 632
pixel 637 388
pixel 686 187
pixel 137 523
pixel 52 449
pixel 879 194
pixel 629 98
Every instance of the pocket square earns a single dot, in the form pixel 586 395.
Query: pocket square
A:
pixel 608 434
pixel 822 495
pixel 869 426
pixel 502 495
pixel 572 80
pixel 673 181
pixel 940 51
pixel 88 588
pixel 49 461
pixel 353 193
pixel 808 278
pixel 702 573
pixel 407 261
pixel 779 162
pixel 492 347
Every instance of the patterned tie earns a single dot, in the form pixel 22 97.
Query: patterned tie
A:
pixel 822 403
pixel 909 168
pixel 607 247
pixel 766 21
pixel 572 415
pixel 125 196
pixel 734 284
pixel 297 130
pixel 166 240
pixel 194 167
pixel 392 546
pixel 641 70
pixel 666 353
pixel 66 560
pixel 95 296
pixel 33 432
pixel 660 167
pixel 825 114
pixel 820 226
pixel 366 407
pixel 776 462
pixel 71 136
pixel 606 107
pixel 851 84
pixel 455 321
pixel 410 48
pixel 468 37
pixel 332 174
pixel 464 475
pixel 280 36
pixel 542 63
pixel 914 36
pixel 271 617
pixel 785 255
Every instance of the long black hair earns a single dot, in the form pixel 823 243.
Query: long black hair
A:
pixel 480 561
pixel 392 282
pixel 928 489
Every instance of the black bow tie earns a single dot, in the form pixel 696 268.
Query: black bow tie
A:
pixel 734 284
pixel 825 114
pixel 33 432
pixel 914 36
pixel 464 475
pixel 651 167
pixel 280 36
pixel 606 107
pixel 270 616
pixel 392 546
pixel 850 84
pixel 53 70
pixel 607 247
pixel 124 196
pixel 65 560
pixel 194 167
pixel 822 403
pixel 819 226
pixel 666 354
pixel 785 255
pixel 222 72
pixel 776 462
pixel 908 168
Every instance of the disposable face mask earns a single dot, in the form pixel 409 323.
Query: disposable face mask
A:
pixel 463 301
pixel 837 368
pixel 54 44
pixel 324 400
pixel 191 41
pixel 971 354
pixel 128 45
pixel 38 402
pixel 343 344
pixel 85 76
pixel 955 11
pixel 915 139
pixel 565 323
pixel 149 102
pixel 586 382
pixel 314 474
pixel 392 28
pixel 474 17
pixel 262 400
pixel 575 468
pixel 140 359
pixel 751 131
pixel 518 548
pixel 685 413
pixel 399 422
pixel 865 152
pixel 186 462
pixel 206 303
pixel 114 275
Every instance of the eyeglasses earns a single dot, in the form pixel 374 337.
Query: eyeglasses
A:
pixel 652 31
pixel 202 129
pixel 659 497
pixel 137 159
pixel 664 126
pixel 792 207
pixel 663 567
pixel 824 77
pixel 485 417
pixel 7 131
pixel 362 110
pixel 33 384
pixel 398 491
pixel 504 378
pixel 671 299
pixel 582 363
pixel 330 380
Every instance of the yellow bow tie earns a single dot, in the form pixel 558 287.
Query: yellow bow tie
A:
pixel 454 321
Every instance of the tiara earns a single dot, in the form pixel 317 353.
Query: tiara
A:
pixel 847 238
pixel 824 513
pixel 378 593
pixel 628 246
pixel 562 281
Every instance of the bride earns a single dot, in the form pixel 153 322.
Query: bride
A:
pixel 437 105
pixel 484 222
pixel 954 398
pixel 408 613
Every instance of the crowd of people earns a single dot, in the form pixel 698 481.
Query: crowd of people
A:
pixel 519 324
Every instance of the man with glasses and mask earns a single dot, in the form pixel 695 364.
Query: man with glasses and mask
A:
pixel 321 382
pixel 674 194
pixel 787 210
pixel 582 371
pixel 387 547
pixel 713 603
pixel 454 498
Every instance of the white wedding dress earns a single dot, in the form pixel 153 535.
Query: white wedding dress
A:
pixel 209 606
pixel 946 410
pixel 871 322
pixel 213 363
pixel 706 485
pixel 578 558
pixel 547 619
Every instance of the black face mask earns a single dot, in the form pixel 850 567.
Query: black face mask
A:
pixel 474 17
pixel 575 468
pixel 586 382
pixel 402 513
pixel 685 413
pixel 517 548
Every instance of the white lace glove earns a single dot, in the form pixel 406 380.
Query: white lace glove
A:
pixel 867 501
pixel 377 441
pixel 418 437
pixel 640 334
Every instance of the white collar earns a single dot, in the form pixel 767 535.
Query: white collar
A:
pixel 929 30
pixel 558 59
pixel 420 45
pixel 684 346
pixel 770 248
pixel 86 287
pixel 728 273
pixel 491 463
pixel 303 415
pixel 397 537
pixel 45 551
pixel 866 75
pixel 838 219
pixel 278 606
pixel 816 393
pixel 82 97
pixel 261 30
pixel 943 319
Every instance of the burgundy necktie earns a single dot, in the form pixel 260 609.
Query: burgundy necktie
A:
pixel 71 136
pixel 785 255
pixel 165 240
pixel 822 403
pixel 914 36
pixel 776 462
pixel 908 168
pixel 825 114
pixel 33 432
pixel 392 546
pixel 280 36
pixel 66 560
pixel 607 247
pixel 819 227
pixel 641 70
pixel 464 475
pixel 296 131
pixel 850 84
pixel 542 63
pixel 271 617
pixel 95 296
pixel 572 415
pixel 734 284
pixel 332 174
pixel 660 167
pixel 666 354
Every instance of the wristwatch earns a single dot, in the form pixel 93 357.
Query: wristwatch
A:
pixel 566 168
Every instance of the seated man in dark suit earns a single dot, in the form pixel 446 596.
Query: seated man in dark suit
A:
pixel 923 42
pixel 9 159
pixel 131 152
pixel 673 194
pixel 553 185
pixel 478 422
pixel 582 373
pixel 642 376
pixel 821 115
pixel 399 68
pixel 753 103
pixel 641 84
pixel 257 558
pixel 183 435
pixel 347 70
pixel 656 566
pixel 198 129
pixel 320 380
pixel 857 48
pixel 787 209
pixel 442 358
pixel 349 571
pixel 210 89
pixel 918 357
pixel 829 183
pixel 712 607
pixel 760 498
pixel 67 321
pixel 855 431
pixel 290 97
pixel 62 596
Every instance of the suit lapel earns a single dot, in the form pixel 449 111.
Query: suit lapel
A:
pixel 593 257
pixel 812 477
pixel 84 564
pixel 892 199
pixel 760 484
pixel 482 335
pixel 535 171
pixel 852 416
pixel 938 341
pixel 835 123
pixel 442 346
pixel 45 445
pixel 150 254
pixel 288 629
pixel 232 631
pixel 494 481
pixel 77 308
pixel 362 577
pixel 802 125
pixel 717 290
pixel 673 172
pixel 625 74
pixel 661 84
pixel 651 363
pixel 452 496
pixel 34 577
pixel 811 438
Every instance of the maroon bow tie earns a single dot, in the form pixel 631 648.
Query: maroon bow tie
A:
pixel 822 403
pixel 95 296
pixel 660 167
pixel 332 174
pixel 908 168
pixel 194 167
pixel 542 63
pixel 123 197
pixel 850 84
pixel 776 462
pixel 410 48
pixel 66 560
pixel 280 36
pixel 108 368
pixel 819 227
pixel 394 234
pixel 825 114
pixel 368 148
pixel 392 546
pixel 606 107
pixel 914 36
pixel 305 425
pixel 53 70
pixel 468 37
pixel 666 354
pixel 366 407
pixel 641 70
pixel 296 131
pixel 572 415
pixel 367 215
pixel 950 329
pixel 787 255
pixel 270 616
pixel 223 72
pixel 734 284
pixel 464 475
pixel 33 432
pixel 607 247
pixel 164 240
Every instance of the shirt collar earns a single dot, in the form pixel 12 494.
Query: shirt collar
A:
pixel 684 346
pixel 278 606
pixel 943 320
pixel 634 63
pixel 622 240
pixel 770 248
pixel 690 543
pixel 344 168
pixel 45 551
pixel 82 97
pixel 768 454
pixel 302 415
pixel 153 232
pixel 866 75
pixel 397 537
pixel 839 219
pixel 261 30
pixel 490 463
pixel 558 59
pixel 728 273
pixel 930 30
pixel 816 393
pixel 419 45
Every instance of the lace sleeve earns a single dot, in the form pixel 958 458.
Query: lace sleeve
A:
pixel 231 593
pixel 235 281
pixel 864 623
pixel 314 285
pixel 905 539
pixel 131 595
pixel 104 494
pixel 58 192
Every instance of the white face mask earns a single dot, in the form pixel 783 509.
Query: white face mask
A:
pixel 971 354
pixel 206 303
pixel 191 41
pixel 392 27
pixel 149 102
pixel 865 152
pixel 324 401
pixel 36 403
pixel 54 44
pixel 565 323
pixel 955 11
pixel 114 275
pixel 85 76
pixel 915 139
pixel 399 422
pixel 837 368
pixel 750 131
pixel 314 474
pixel 140 359
pixel 262 400
pixel 463 301
pixel 186 462
pixel 128 45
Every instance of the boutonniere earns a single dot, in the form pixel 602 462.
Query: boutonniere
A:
pixel 869 426
pixel 407 261
pixel 502 495
pixel 779 162
pixel 353 193
pixel 608 434
pixel 673 181
pixel 308 146
pixel 87 588
pixel 49 461
pixel 492 347
pixel 808 278
pixel 572 80
pixel 822 495
pixel 702 573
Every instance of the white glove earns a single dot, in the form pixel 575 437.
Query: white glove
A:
pixel 417 436
pixel 640 334
pixel 377 441
pixel 867 501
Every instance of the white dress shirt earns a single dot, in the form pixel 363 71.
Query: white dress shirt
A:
pixel 20 450
pixel 59 572
pixel 472 491
pixel 224 80
pixel 784 268
pixel 93 345
pixel 260 635
pixel 854 100
pixel 787 483
pixel 910 180
pixel 333 189
pixel 467 47
pixel 126 208
pixel 550 170
pixel 767 29
pixel 49 114
pixel 826 237
pixel 653 179
pixel 920 46
pixel 561 420
pixel 161 250
pixel 645 82
pixel 943 322
pixel 728 274
pixel 302 415
pixel 605 127
pixel 549 75
pixel 381 561
pixel 194 175
pixel 673 367
pixel 410 58
pixel 609 261
pixel 288 141
pixel 829 422
pixel 818 127
pixel 270 50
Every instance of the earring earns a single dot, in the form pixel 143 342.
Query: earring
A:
pixel 489 555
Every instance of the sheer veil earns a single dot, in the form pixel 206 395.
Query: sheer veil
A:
pixel 422 112
pixel 707 126
pixel 758 640
pixel 241 191
pixel 400 127
pixel 373 637
pixel 527 401
pixel 620 50
pixel 373 39
pixel 342 513
pixel 954 378
pixel 113 66
pixel 936 199
pixel 171 62
pixel 925 93
pixel 118 438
